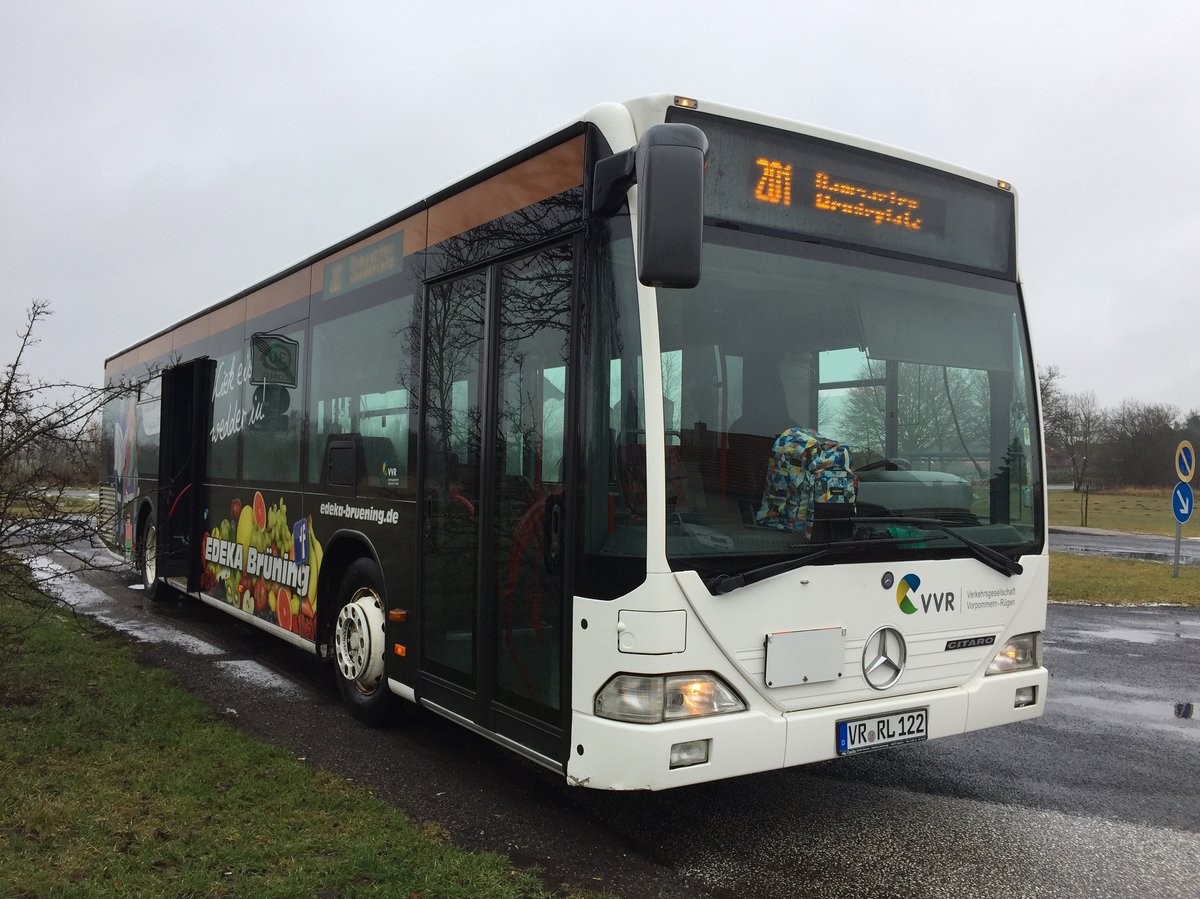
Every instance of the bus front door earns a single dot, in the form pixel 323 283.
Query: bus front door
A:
pixel 495 528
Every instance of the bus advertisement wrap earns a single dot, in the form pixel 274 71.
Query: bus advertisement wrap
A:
pixel 265 565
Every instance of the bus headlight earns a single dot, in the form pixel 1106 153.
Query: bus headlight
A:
pixel 650 699
pixel 1018 654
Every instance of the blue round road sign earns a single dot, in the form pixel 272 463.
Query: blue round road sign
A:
pixel 1185 460
pixel 1181 502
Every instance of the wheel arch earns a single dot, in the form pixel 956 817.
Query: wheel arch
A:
pixel 145 515
pixel 341 551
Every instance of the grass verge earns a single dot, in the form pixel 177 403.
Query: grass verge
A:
pixel 1138 511
pixel 116 782
pixel 1120 581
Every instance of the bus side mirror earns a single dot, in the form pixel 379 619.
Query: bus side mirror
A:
pixel 668 166
pixel 670 174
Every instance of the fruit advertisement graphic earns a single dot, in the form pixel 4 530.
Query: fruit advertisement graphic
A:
pixel 261 562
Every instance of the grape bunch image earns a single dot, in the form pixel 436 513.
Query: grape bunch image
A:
pixel 260 562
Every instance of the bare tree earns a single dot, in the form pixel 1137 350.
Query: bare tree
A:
pixel 1081 428
pixel 1056 411
pixel 940 410
pixel 47 448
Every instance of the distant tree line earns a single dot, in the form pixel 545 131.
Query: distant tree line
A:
pixel 1130 445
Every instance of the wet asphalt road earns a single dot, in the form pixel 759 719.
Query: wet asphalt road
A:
pixel 1151 548
pixel 1100 797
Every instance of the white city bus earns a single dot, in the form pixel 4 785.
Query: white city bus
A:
pixel 435 453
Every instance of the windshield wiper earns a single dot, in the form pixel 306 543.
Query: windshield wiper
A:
pixel 726 583
pixel 990 557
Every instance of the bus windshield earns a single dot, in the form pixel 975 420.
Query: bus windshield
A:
pixel 817 396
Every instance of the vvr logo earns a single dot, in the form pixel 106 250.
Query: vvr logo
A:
pixel 908 584
pixel 930 602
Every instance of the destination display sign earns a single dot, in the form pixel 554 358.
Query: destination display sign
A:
pixel 797 183
pixel 380 260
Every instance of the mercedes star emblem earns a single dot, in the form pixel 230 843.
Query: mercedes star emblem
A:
pixel 883 658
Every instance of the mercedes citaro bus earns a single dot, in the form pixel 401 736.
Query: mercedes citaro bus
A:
pixel 684 443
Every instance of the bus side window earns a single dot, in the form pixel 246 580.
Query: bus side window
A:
pixel 347 399
pixel 274 412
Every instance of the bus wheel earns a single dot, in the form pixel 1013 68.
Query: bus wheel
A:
pixel 148 559
pixel 358 644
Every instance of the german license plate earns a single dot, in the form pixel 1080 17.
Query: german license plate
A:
pixel 878 731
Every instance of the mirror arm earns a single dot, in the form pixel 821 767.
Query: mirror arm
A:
pixel 614 175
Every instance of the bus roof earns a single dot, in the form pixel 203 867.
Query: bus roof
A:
pixel 622 124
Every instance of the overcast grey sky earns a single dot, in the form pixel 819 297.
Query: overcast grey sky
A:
pixel 158 156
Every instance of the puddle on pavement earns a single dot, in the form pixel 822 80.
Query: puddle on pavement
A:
pixel 1125 706
pixel 1144 636
pixel 93 602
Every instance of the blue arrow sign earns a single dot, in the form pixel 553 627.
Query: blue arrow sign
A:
pixel 1185 461
pixel 1181 502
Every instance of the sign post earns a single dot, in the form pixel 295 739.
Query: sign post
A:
pixel 1182 500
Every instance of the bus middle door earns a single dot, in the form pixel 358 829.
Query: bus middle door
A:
pixel 495 530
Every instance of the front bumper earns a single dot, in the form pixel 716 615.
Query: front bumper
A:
pixel 614 755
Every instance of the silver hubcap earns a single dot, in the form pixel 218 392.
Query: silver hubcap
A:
pixel 358 640
pixel 149 551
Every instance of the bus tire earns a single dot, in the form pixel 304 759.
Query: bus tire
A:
pixel 358 644
pixel 148 563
